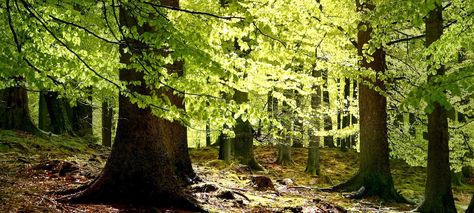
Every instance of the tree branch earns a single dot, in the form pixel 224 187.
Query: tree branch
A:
pixel 193 12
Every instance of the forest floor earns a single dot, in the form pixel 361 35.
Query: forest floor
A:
pixel 34 169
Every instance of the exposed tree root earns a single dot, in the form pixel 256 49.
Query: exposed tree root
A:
pixel 177 200
pixel 369 185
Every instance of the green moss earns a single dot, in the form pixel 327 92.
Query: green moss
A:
pixel 12 141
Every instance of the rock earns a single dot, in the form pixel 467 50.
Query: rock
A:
pixel 287 181
pixel 296 209
pixel 67 168
pixel 226 195
pixel 262 183
pixel 205 187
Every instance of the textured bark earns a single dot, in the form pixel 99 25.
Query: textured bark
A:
pixel 143 164
pixel 284 155
pixel 243 141
pixel 107 117
pixel 82 117
pixel 438 191
pixel 374 177
pixel 14 112
pixel 59 114
pixel 44 122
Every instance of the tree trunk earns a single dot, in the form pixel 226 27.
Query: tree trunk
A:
pixel 225 148
pixel 470 208
pixel 44 123
pixel 107 117
pixel 208 133
pixel 374 177
pixel 143 165
pixel 243 141
pixel 329 139
pixel 58 113
pixel 312 164
pixel 82 118
pixel 284 155
pixel 438 192
pixel 14 111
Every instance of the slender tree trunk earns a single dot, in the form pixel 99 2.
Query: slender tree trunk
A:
pixel 14 111
pixel 328 140
pixel 82 118
pixel 298 124
pixel 438 192
pixel 107 117
pixel 143 165
pixel 374 177
pixel 208 133
pixel 44 122
pixel 312 165
pixel 243 141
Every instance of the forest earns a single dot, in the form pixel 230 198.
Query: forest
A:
pixel 236 106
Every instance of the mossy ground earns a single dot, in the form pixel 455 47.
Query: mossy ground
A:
pixel 33 169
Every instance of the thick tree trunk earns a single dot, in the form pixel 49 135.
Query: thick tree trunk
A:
pixel 107 117
pixel 243 141
pixel 44 122
pixel 82 118
pixel 59 114
pixel 143 167
pixel 14 111
pixel 374 177
pixel 438 192
pixel 470 208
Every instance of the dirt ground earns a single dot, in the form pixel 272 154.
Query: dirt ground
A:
pixel 35 172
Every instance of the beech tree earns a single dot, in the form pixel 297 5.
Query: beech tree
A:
pixel 438 192
pixel 373 177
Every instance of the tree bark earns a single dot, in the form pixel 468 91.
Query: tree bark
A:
pixel 470 208
pixel 312 164
pixel 44 122
pixel 143 167
pixel 329 139
pixel 208 133
pixel 374 177
pixel 243 141
pixel 438 192
pixel 107 117
pixel 14 111
pixel 59 114
pixel 82 117
pixel 284 155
